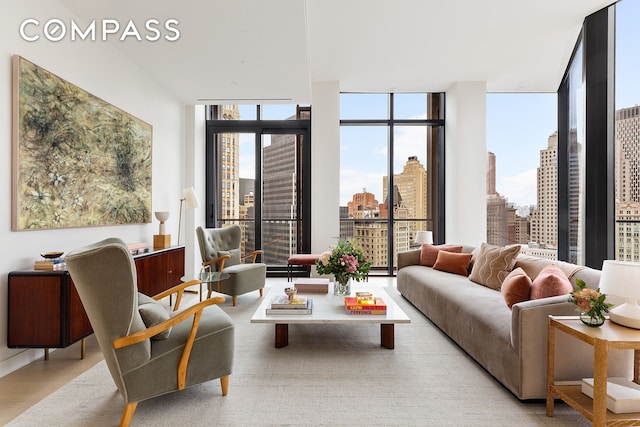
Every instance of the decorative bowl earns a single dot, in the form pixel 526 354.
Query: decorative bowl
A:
pixel 51 255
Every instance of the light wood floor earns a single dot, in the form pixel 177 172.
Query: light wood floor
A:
pixel 25 387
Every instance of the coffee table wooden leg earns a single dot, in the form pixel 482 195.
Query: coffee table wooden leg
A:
pixel 282 335
pixel 386 335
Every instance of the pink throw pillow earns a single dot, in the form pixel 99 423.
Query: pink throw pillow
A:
pixel 550 282
pixel 452 262
pixel 429 253
pixel 516 287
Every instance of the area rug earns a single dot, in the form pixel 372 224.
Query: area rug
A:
pixel 328 375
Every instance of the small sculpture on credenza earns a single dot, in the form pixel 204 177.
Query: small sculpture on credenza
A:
pixel 161 240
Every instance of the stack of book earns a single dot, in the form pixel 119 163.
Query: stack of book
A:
pixel 50 264
pixel 365 303
pixel 312 285
pixel 138 248
pixel 281 304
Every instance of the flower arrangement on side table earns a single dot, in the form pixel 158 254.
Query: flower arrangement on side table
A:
pixel 591 304
pixel 345 261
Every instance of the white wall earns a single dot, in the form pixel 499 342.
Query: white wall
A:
pixel 466 163
pixel 100 69
pixel 325 169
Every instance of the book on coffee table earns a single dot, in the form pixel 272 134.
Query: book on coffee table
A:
pixel 312 285
pixel 283 301
pixel 308 308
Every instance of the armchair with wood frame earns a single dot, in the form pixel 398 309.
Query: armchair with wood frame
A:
pixel 220 249
pixel 148 351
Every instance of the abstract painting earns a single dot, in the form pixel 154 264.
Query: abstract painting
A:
pixel 78 161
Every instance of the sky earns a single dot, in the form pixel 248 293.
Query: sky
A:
pixel 518 126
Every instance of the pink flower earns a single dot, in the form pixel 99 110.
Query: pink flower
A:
pixel 350 262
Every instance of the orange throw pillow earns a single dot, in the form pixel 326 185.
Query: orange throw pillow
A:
pixel 452 262
pixel 550 282
pixel 429 253
pixel 516 287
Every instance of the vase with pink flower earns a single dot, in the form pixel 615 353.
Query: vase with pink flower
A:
pixel 345 261
pixel 591 304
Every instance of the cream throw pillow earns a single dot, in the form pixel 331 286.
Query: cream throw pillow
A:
pixel 492 264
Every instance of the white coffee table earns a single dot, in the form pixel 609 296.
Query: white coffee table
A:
pixel 328 308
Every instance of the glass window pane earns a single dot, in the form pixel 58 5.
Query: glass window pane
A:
pixel 361 179
pixel 522 172
pixel 576 159
pixel 364 106
pixel 279 201
pixel 410 106
pixel 248 112
pixel 410 185
pixel 627 132
pixel 278 111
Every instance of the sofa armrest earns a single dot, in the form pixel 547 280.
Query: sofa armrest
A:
pixel 529 318
pixel 410 257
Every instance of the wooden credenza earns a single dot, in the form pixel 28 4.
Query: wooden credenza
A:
pixel 45 310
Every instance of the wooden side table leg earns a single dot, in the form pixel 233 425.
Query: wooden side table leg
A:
pixel 282 335
pixel 600 352
pixel 636 366
pixel 387 335
pixel 551 353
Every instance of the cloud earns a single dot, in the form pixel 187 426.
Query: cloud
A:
pixel 352 182
pixel 520 189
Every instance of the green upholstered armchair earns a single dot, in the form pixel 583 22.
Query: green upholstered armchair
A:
pixel 220 248
pixel 148 351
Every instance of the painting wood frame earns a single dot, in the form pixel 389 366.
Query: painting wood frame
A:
pixel 77 161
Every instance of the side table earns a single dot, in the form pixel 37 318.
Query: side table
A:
pixel 209 278
pixel 609 336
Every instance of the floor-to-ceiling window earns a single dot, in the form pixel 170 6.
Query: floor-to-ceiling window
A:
pixel 627 131
pixel 522 170
pixel 390 171
pixel 255 159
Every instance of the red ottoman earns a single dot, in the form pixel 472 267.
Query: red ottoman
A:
pixel 300 259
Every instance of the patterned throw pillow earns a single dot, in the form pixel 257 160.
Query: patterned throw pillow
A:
pixel 452 262
pixel 429 253
pixel 492 264
pixel 516 287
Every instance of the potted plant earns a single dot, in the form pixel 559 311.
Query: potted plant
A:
pixel 591 304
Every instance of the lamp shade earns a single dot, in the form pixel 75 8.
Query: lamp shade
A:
pixel 622 279
pixel 191 198
pixel 424 237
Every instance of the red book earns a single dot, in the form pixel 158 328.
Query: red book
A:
pixel 352 303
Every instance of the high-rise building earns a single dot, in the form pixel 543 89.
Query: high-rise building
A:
pixel 497 215
pixel 230 166
pixel 412 185
pixel 627 154
pixel 362 203
pixel 491 173
pixel 544 219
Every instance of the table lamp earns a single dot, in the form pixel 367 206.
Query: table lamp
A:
pixel 622 279
pixel 424 237
pixel 191 198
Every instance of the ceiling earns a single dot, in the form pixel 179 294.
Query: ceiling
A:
pixel 256 51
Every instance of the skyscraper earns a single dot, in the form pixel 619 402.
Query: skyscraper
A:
pixel 544 221
pixel 412 186
pixel 627 127
pixel 497 218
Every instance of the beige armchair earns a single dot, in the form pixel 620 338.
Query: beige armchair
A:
pixel 220 248
pixel 148 351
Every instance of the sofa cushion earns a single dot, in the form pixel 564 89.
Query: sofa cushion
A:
pixel 491 264
pixel 516 287
pixel 152 313
pixel 551 282
pixel 429 253
pixel 452 262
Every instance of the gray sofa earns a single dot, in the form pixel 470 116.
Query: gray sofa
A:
pixel 509 343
